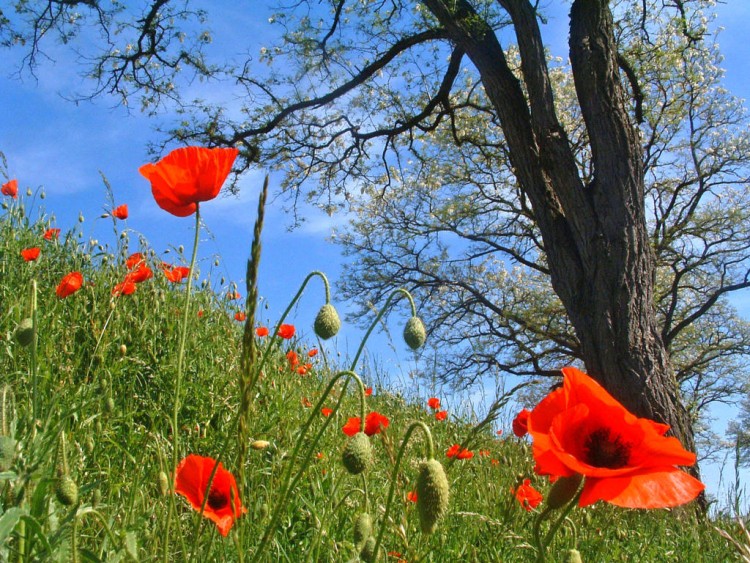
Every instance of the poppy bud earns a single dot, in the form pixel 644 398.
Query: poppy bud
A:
pixel 573 556
pixel 42 195
pixel 109 405
pixel 90 445
pixel 80 217
pixel 260 444
pixel 368 550
pixel 66 491
pixel 181 249
pixel 327 323
pixel 96 498
pixel 24 332
pixel 362 529
pixel 432 494
pixel 357 455
pixel 7 452
pixel 563 491
pixel 415 333
pixel 123 350
pixel 28 192
pixel 163 484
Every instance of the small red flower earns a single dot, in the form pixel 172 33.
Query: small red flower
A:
pixel 125 288
pixel 134 259
pixel 374 423
pixel 261 331
pixel 120 212
pixel 286 331
pixel 527 495
pixel 200 313
pixel 494 462
pixel 240 316
pixel 441 415
pixel 312 352
pixel 187 176
pixel 484 453
pixel 292 357
pixel 191 481
pixel 306 402
pixel 433 403
pixel 69 284
pixel 175 274
pixel 458 452
pixel 368 391
pixel 302 370
pixel 140 273
pixel 325 411
pixel 411 496
pixel 10 188
pixel 499 432
pixel 30 254
pixel 521 423
pixel 50 234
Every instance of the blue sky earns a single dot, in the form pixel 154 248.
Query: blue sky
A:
pixel 52 143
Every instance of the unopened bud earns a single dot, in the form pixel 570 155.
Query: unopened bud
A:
pixel 362 529
pixel 563 490
pixel 260 444
pixel 66 491
pixel 163 484
pixel 357 454
pixel 433 492
pixel 368 554
pixel 573 556
pixel 24 333
pixel 415 333
pixel 327 322
pixel 123 350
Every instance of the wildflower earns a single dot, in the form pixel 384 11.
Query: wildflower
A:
pixel 312 352
pixel 69 284
pixel 320 455
pixel 411 496
pixel 302 370
pixel 120 212
pixel 187 176
pixel 223 506
pixel 441 415
pixel 625 460
pixel 50 234
pixel 292 357
pixel 140 273
pixel 433 403
pixel 499 432
pixel 30 254
pixel 306 402
pixel 261 331
pixel 374 423
pixel 493 461
pixel 124 288
pixel 484 453
pixel 368 391
pixel 240 316
pixel 233 295
pixel 520 423
pixel 459 453
pixel 527 495
pixel 200 313
pixel 325 411
pixel 134 259
pixel 286 331
pixel 175 274
pixel 10 188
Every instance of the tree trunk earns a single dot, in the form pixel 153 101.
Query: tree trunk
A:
pixel 595 235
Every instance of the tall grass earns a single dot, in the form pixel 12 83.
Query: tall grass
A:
pixel 100 374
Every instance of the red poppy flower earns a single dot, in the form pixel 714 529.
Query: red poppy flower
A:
pixel 527 495
pixel 70 283
pixel 50 234
pixel 368 391
pixel 459 453
pixel 411 496
pixel 187 176
pixel 626 460
pixel 30 254
pixel 286 331
pixel 292 357
pixel 499 432
pixel 302 370
pixel 433 403
pixel 520 423
pixel 140 273
pixel 441 415
pixel 191 481
pixel 312 352
pixel 200 314
pixel 306 402
pixel 120 212
pixel 261 331
pixel 125 288
pixel 240 316
pixel 484 453
pixel 10 188
pixel 176 274
pixel 325 411
pixel 134 259
pixel 374 423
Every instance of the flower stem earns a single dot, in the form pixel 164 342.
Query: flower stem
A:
pixel 34 345
pixel 542 545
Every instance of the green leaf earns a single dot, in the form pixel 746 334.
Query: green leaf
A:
pixel 8 522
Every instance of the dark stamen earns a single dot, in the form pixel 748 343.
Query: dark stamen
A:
pixel 217 499
pixel 604 450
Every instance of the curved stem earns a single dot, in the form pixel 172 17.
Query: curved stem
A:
pixel 542 545
pixel 430 455
pixel 178 381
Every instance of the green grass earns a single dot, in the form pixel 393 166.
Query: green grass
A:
pixel 105 372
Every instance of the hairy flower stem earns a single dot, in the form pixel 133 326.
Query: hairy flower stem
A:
pixel 543 544
pixel 394 475
pixel 287 482
pixel 178 385
pixel 34 345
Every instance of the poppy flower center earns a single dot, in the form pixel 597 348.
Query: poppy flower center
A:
pixel 217 500
pixel 604 450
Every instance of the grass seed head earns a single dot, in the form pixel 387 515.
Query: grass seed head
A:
pixel 433 492
pixel 327 323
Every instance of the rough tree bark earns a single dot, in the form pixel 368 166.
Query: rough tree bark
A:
pixel 594 235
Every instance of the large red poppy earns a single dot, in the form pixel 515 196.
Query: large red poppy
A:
pixel 187 176
pixel 520 423
pixel 527 496
pixel 191 481
pixel 10 188
pixel 140 273
pixel 374 423
pixel 433 403
pixel 30 254
pixel 626 460
pixel 286 331
pixel 70 283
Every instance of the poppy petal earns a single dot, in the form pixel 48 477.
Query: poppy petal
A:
pixel 656 489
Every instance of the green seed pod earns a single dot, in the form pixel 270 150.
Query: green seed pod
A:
pixel 362 529
pixel 368 554
pixel 563 490
pixel 66 491
pixel 432 494
pixel 96 498
pixel 415 333
pixel 573 556
pixel 7 452
pixel 327 323
pixel 163 484
pixel 264 510
pixel 24 333
pixel 357 454
pixel 109 405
